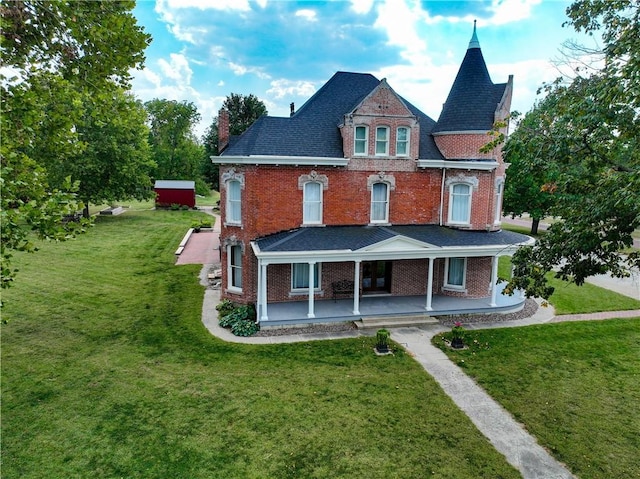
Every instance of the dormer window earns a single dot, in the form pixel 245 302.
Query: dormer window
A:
pixel 382 140
pixel 361 139
pixel 402 141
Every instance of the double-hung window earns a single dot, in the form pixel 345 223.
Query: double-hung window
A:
pixel 234 205
pixel 234 271
pixel 379 203
pixel 382 140
pixel 300 276
pixel 312 203
pixel 460 204
pixel 455 273
pixel 402 141
pixel 361 140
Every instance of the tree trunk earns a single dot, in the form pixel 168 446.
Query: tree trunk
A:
pixel 85 210
pixel 534 225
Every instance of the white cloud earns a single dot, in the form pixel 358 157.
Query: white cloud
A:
pixel 241 70
pixel 281 88
pixel 361 6
pixel 177 68
pixel 240 5
pixel 507 11
pixel 309 15
pixel 220 83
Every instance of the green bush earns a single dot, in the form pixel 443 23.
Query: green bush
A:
pixel 241 319
pixel 224 307
pixel 244 328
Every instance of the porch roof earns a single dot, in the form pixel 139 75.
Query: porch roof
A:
pixel 355 238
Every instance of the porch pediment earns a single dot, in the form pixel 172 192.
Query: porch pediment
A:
pixel 397 243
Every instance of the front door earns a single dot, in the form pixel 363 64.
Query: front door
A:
pixel 376 276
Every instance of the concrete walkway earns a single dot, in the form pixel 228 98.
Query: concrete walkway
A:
pixel 494 422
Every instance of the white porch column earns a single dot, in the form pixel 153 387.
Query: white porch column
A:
pixel 311 313
pixel 356 288
pixel 262 292
pixel 428 307
pixel 494 281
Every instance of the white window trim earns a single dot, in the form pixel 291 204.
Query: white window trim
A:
pixel 305 289
pixel 387 134
pixel 386 216
pixel 228 219
pixel 470 203
pixel 408 142
pixel 230 286
pixel 304 191
pixel 366 140
pixel 498 199
pixel 455 287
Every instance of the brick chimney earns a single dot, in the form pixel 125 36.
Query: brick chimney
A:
pixel 223 129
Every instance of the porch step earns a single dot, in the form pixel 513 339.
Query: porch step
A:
pixel 394 321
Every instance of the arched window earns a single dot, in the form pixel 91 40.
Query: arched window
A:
pixel 234 204
pixel 460 203
pixel 361 140
pixel 312 203
pixel 382 140
pixel 402 141
pixel 379 203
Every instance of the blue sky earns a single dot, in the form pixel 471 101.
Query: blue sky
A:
pixel 283 51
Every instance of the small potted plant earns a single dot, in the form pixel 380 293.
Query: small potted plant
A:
pixel 457 336
pixel 382 341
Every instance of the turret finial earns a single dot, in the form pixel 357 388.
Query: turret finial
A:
pixel 474 43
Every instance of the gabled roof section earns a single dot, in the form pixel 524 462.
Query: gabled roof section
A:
pixel 313 130
pixel 474 98
pixel 382 93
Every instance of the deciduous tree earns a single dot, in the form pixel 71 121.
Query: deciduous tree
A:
pixel 243 111
pixel 54 55
pixel 175 148
pixel 591 127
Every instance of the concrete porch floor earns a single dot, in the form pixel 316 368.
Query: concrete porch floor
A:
pixel 328 310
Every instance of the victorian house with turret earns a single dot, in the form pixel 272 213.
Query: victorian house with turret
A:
pixel 359 204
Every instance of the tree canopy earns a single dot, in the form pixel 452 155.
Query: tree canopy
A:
pixel 243 112
pixel 55 57
pixel 584 141
pixel 175 148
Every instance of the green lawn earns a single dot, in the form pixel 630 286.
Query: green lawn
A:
pixel 575 386
pixel 108 372
pixel 571 299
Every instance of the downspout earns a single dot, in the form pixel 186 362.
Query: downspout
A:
pixel 444 172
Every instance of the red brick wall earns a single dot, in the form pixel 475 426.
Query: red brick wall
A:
pixel 272 200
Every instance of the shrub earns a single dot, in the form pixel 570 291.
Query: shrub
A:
pixel 224 307
pixel 241 319
pixel 175 206
pixel 244 328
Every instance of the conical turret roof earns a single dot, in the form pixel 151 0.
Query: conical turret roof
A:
pixel 473 98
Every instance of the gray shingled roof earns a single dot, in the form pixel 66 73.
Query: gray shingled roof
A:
pixel 313 129
pixel 356 237
pixel 473 98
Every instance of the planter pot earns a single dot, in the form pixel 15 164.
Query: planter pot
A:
pixel 456 343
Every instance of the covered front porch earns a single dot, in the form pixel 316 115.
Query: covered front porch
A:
pixel 341 310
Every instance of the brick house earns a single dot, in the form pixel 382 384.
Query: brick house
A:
pixel 361 195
